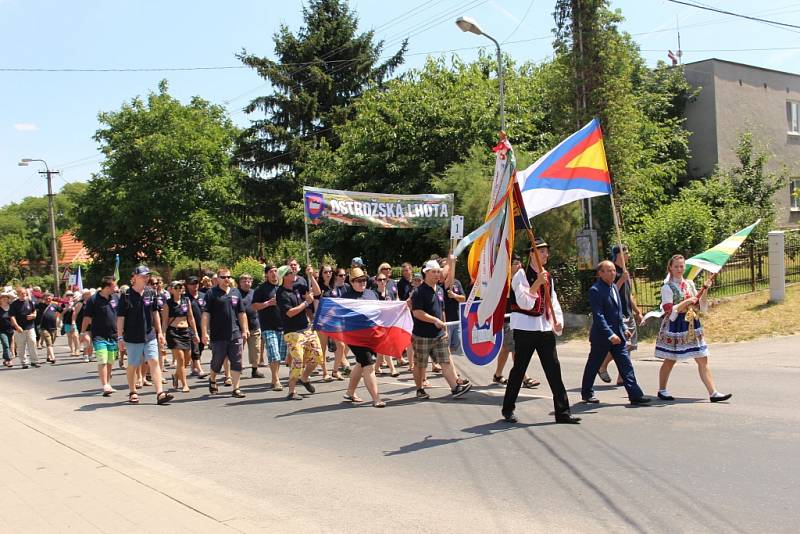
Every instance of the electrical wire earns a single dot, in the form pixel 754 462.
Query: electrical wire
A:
pixel 731 13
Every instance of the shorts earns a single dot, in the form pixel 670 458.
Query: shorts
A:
pixel 179 338
pixel 48 336
pixel 197 350
pixel 632 343
pixel 275 344
pixel 508 337
pixel 434 347
pixel 454 333
pixel 303 348
pixel 138 353
pixel 226 349
pixel 105 350
pixel 364 356
pixel 67 328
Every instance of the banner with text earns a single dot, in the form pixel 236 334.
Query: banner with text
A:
pixel 356 208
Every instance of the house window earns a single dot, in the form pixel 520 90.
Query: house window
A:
pixel 794 194
pixel 793 116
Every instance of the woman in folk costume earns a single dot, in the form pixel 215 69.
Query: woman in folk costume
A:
pixel 681 334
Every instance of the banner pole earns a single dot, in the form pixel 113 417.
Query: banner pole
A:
pixel 548 302
pixel 308 249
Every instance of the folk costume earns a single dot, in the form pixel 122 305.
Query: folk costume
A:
pixel 681 334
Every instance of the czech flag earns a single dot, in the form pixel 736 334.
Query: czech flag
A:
pixel 382 326
pixel 573 170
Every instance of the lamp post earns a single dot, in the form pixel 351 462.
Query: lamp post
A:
pixel 468 24
pixel 52 220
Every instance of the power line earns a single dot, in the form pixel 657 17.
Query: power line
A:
pixel 724 12
pixel 120 69
pixel 525 16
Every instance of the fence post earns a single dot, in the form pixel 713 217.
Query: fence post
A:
pixel 752 268
pixel 777 266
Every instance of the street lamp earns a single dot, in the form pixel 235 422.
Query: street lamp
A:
pixel 52 220
pixel 468 24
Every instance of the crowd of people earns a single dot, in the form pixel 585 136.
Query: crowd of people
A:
pixel 147 329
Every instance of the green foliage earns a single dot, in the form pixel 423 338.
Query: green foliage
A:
pixel 249 266
pixel 684 226
pixel 45 282
pixel 12 249
pixel 307 103
pixel 166 182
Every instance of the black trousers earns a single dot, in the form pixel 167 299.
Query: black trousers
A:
pixel 544 343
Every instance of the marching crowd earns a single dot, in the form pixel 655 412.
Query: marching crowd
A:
pixel 139 325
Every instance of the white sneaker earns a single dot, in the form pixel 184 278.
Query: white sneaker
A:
pixel 85 359
pixel 110 388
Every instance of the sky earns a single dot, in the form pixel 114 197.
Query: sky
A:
pixel 53 115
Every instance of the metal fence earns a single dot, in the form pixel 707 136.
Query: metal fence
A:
pixel 746 271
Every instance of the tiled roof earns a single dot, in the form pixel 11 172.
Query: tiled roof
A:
pixel 72 250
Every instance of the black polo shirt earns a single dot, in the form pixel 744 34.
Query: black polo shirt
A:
pixel 224 309
pixel 451 306
pixel 252 315
pixel 198 307
pixel 404 289
pixel 287 299
pixel 103 312
pixel 624 292
pixel 5 322
pixel 19 310
pixel 269 318
pixel 137 310
pixel 431 301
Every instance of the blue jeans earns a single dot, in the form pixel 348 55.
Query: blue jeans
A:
pixel 6 343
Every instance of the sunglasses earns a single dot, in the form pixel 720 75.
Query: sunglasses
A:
pixel 327 272
pixel 380 279
pixel 386 269
pixel 226 277
pixel 360 281
pixel 340 275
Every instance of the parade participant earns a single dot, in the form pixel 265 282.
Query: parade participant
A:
pixel 365 357
pixel 139 333
pixel 326 282
pixel 101 313
pixel 302 344
pixel 70 328
pixel 383 292
pixel 157 284
pixel 391 286
pixel 198 302
pixel 206 284
pixel 630 310
pixel 453 297
pixel 429 335
pixel 83 336
pixel 269 317
pixel 6 328
pixel 341 365
pixel 681 334
pixel 177 320
pixel 22 313
pixel 47 315
pixel 254 336
pixel 609 334
pixel 300 282
pixel 535 329
pixel 225 325
pixel 404 285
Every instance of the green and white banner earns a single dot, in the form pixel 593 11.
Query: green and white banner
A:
pixel 356 208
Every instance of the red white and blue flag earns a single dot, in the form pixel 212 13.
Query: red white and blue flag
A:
pixel 573 170
pixel 382 326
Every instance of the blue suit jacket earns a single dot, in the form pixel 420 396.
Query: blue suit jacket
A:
pixel 606 313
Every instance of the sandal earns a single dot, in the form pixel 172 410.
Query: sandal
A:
pixel 328 379
pixel 228 381
pixel 604 376
pixel 379 404
pixel 213 388
pixel 499 379
pixel 337 376
pixel 237 393
pixel 174 381
pixel 277 387
pixel 395 374
pixel 133 398
pixel 163 398
pixel 147 383
pixel 530 383
pixel 352 398
pixel 185 388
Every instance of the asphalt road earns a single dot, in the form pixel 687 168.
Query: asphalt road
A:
pixel 445 465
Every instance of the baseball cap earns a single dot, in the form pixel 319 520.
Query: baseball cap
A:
pixel 431 264
pixel 141 270
pixel 357 261
pixel 192 280
pixel 283 270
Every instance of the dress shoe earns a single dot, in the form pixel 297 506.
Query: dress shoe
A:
pixel 665 397
pixel 510 418
pixel 591 400
pixel 641 400
pixel 721 397
pixel 567 419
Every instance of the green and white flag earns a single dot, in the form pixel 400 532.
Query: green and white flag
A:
pixel 714 258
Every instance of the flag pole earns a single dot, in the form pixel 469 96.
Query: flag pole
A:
pixel 308 248
pixel 548 302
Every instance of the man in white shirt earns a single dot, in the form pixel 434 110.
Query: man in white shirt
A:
pixel 535 325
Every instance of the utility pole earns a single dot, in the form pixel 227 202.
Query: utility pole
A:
pixel 51 215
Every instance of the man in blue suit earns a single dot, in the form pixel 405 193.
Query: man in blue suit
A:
pixel 608 334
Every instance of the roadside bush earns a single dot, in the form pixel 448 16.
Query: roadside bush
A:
pixel 250 266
